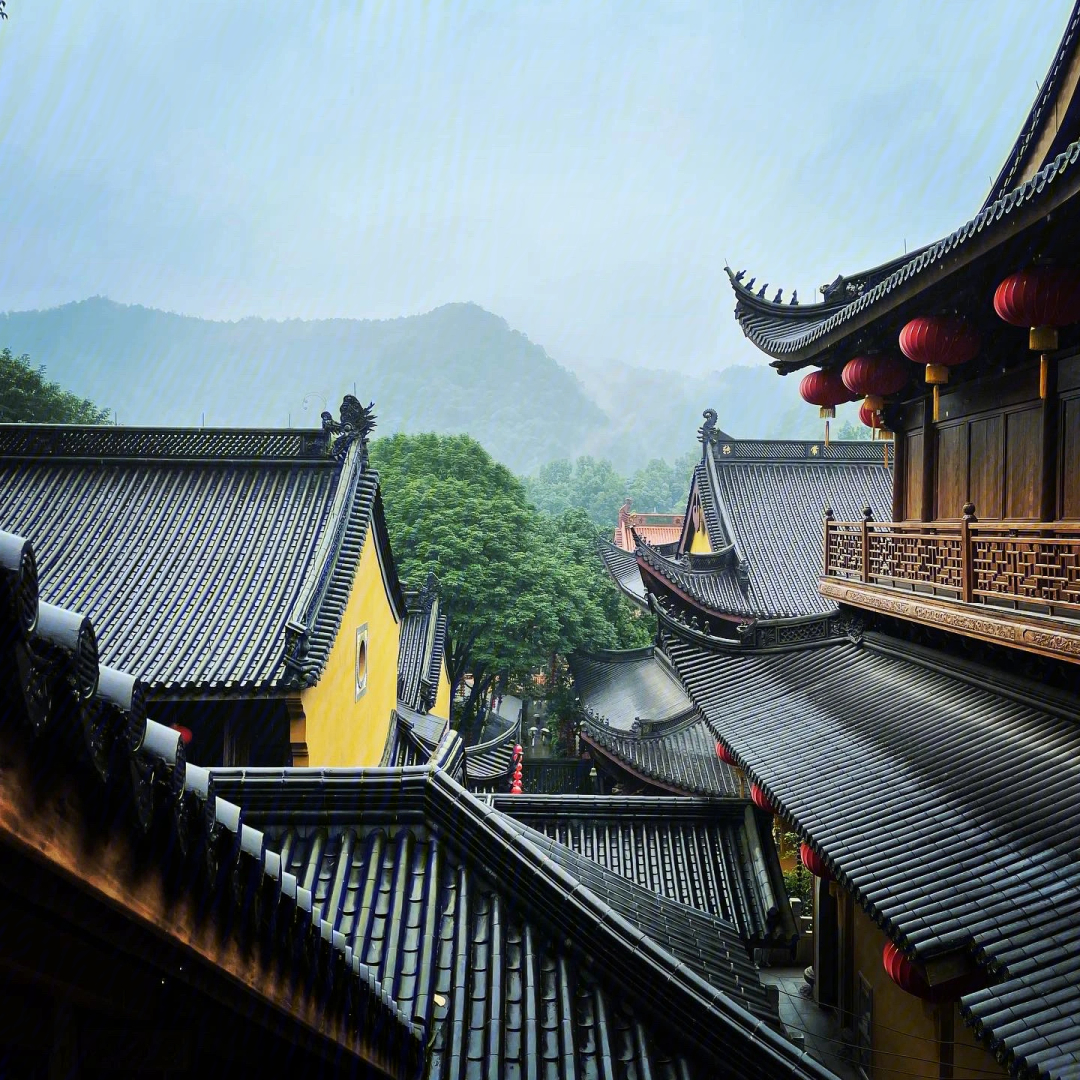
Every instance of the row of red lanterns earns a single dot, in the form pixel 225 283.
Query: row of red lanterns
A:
pixel 1044 297
pixel 515 781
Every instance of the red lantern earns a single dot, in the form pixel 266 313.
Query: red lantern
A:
pixel 184 733
pixel 868 414
pixel 877 375
pixel 908 975
pixel 814 862
pixel 825 389
pixel 725 755
pixel 939 342
pixel 1042 298
pixel 761 800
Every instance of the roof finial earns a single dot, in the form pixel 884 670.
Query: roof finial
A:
pixel 357 423
pixel 707 431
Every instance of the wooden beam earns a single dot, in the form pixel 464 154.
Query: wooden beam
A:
pixel 1044 636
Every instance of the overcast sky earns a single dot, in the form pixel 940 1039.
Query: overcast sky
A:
pixel 583 170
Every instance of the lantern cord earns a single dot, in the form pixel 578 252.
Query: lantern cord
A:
pixel 827 430
pixel 1044 375
pixel 885 447
pixel 937 399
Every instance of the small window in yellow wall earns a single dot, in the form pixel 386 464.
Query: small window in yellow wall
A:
pixel 361 661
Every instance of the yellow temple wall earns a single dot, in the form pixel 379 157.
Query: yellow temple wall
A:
pixel 343 731
pixel 906 1029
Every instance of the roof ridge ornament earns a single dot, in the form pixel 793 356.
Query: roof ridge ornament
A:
pixel 357 423
pixel 707 433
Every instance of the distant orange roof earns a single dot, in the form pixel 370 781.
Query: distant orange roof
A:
pixel 654 529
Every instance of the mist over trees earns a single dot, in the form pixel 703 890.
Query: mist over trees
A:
pixel 596 487
pixel 455 369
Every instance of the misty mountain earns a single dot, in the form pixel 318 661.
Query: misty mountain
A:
pixel 456 369
pixel 656 414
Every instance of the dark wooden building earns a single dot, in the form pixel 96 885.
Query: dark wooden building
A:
pixel 935 775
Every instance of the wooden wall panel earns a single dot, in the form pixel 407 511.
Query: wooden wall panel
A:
pixel 986 482
pixel 1069 462
pixel 913 476
pixel 1023 463
pixel 952 471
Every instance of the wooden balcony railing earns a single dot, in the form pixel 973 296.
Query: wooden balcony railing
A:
pixel 1021 566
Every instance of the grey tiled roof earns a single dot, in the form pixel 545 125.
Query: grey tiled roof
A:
pixel 717 857
pixel 633 710
pixel 718 538
pixel 797 335
pixel 945 796
pixel 206 559
pixel 422 647
pixel 623 567
pixel 443 936
pixel 775 506
pixel 483 930
pixel 413 737
pixel 765 507
pixel 681 759
pixel 1039 115
pixel 628 688
pixel 491 759
pixel 194 840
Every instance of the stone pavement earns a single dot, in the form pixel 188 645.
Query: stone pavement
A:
pixel 802 1016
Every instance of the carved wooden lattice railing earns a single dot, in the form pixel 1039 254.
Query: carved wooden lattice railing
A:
pixel 1029 563
pixel 1032 566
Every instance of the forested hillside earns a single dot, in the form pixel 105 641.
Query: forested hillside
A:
pixel 453 370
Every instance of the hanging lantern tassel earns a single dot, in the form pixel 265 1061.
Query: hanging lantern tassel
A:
pixel 827 412
pixel 937 375
pixel 1043 340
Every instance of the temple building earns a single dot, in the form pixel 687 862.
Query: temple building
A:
pixel 244 577
pixel 655 529
pixel 164 917
pixel 923 740
pixel 929 761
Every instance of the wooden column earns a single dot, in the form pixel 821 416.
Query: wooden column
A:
pixel 929 464
pixel 826 946
pixel 825 554
pixel 899 473
pixel 1048 490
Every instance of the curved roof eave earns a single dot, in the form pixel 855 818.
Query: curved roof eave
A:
pixel 796 336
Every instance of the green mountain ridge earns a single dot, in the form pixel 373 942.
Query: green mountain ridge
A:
pixel 457 368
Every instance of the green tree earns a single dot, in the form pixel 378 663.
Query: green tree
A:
pixel 661 487
pixel 26 396
pixel 595 486
pixel 521 590
pixel 589 484
pixel 849 432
